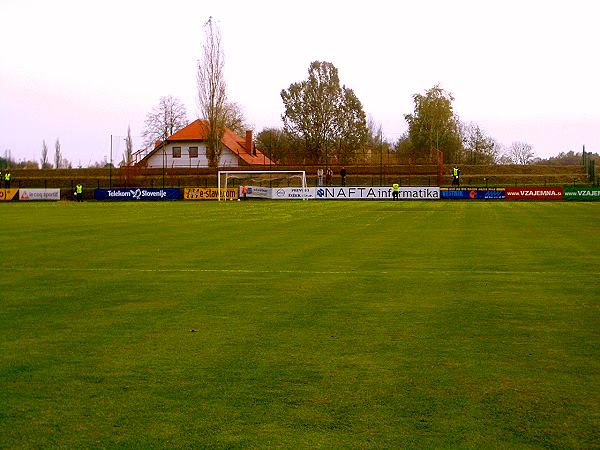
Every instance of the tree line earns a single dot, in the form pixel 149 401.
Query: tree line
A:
pixel 324 122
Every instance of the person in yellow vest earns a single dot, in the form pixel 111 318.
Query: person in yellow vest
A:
pixel 79 192
pixel 395 191
pixel 7 179
pixel 455 176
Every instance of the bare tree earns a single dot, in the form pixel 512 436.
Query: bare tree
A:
pixel 44 161
pixel 212 95
pixel 235 119
pixel 57 155
pixel 164 120
pixel 521 153
pixel 127 157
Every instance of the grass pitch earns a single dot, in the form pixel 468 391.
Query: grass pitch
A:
pixel 300 325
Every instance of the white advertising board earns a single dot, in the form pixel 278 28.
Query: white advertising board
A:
pixel 377 193
pixel 257 192
pixel 344 193
pixel 292 193
pixel 39 194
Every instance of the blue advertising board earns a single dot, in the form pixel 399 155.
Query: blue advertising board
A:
pixel 472 194
pixel 138 194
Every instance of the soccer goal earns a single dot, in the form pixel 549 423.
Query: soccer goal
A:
pixel 263 178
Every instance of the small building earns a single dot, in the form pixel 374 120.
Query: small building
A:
pixel 187 149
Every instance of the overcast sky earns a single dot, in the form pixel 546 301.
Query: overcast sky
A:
pixel 80 71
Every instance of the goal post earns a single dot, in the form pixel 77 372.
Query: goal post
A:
pixel 257 177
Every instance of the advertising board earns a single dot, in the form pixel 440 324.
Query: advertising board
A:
pixel 39 194
pixel 292 193
pixel 257 192
pixel 210 194
pixel 472 194
pixel 376 193
pixel 534 193
pixel 7 195
pixel 582 194
pixel 138 194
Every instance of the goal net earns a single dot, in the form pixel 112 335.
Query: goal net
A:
pixel 261 178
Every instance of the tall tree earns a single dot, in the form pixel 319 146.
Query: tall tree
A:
pixel 433 125
pixel 168 117
pixel 127 157
pixel 58 159
pixel 327 118
pixel 44 161
pixel 212 96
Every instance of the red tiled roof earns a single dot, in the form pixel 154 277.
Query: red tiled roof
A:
pixel 198 131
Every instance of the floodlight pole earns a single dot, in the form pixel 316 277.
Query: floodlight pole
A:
pixel 163 160
pixel 380 158
pixel 110 166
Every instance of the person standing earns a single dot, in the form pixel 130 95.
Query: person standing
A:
pixel 328 176
pixel 245 192
pixel 7 178
pixel 455 176
pixel 79 192
pixel 395 191
pixel 343 174
pixel 320 176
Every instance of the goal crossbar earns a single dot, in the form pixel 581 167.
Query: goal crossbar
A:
pixel 240 173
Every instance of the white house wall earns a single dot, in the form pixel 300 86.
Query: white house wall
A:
pixel 228 158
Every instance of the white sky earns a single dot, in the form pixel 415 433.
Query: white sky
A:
pixel 524 70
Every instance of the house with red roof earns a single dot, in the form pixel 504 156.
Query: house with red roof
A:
pixel 187 149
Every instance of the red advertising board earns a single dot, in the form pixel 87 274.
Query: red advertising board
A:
pixel 534 193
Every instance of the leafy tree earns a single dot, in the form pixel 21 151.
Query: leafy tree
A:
pixel 326 118
pixel 433 125
pixel 569 158
pixel 478 148
pixel 165 119
pixel 404 148
pixel 276 144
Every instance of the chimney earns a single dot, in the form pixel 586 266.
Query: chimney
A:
pixel 249 145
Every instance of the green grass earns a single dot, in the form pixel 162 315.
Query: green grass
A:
pixel 316 325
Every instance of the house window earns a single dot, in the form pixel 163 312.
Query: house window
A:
pixel 176 152
pixel 193 152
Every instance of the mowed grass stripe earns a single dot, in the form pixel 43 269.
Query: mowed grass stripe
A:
pixel 350 324
pixel 584 274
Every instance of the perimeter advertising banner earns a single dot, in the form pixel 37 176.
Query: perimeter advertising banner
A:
pixel 7 195
pixel 138 194
pixel 210 194
pixel 377 193
pixel 257 192
pixel 295 193
pixel 534 193
pixel 586 194
pixel 39 194
pixel 472 194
